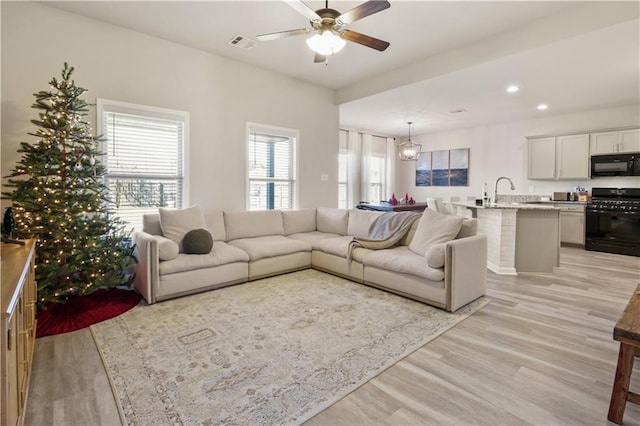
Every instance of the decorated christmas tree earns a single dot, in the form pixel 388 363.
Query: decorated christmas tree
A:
pixel 59 199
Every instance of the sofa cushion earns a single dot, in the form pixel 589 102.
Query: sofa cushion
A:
pixel 296 221
pixel 197 241
pixel 177 222
pixel 435 255
pixel 332 220
pixel 151 224
pixel 240 225
pixel 214 220
pixel 360 222
pixel 434 228
pixel 401 259
pixel 337 245
pixel 220 254
pixel 406 240
pixel 215 224
pixel 270 246
pixel 167 249
pixel 312 238
pixel 469 228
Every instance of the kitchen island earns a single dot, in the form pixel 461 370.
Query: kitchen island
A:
pixel 521 237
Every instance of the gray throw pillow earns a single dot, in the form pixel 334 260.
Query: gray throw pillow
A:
pixel 197 241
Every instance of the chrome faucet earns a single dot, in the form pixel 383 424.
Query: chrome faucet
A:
pixel 495 192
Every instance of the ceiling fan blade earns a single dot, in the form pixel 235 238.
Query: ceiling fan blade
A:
pixel 283 34
pixel 365 40
pixel 302 8
pixel 362 11
pixel 319 58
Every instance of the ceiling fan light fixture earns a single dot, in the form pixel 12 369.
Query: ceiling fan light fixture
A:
pixel 407 150
pixel 327 43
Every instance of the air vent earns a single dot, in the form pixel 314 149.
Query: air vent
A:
pixel 457 111
pixel 242 42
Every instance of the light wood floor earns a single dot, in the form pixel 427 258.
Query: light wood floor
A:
pixel 540 353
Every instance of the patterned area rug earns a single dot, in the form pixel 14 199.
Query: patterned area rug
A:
pixel 273 351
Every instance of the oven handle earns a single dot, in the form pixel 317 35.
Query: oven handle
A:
pixel 626 214
pixel 611 212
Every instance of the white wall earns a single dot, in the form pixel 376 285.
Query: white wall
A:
pixel 220 94
pixel 501 150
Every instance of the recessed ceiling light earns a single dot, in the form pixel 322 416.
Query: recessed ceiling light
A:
pixel 513 88
pixel 543 107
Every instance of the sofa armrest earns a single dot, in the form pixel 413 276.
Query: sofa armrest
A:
pixel 465 270
pixel 146 278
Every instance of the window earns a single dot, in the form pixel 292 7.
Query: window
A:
pixel 366 168
pixel 343 167
pixel 144 156
pixel 377 161
pixel 271 166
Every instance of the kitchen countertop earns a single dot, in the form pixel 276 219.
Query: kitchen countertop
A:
pixel 517 206
pixel 573 203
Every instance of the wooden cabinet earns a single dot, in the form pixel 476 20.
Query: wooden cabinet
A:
pixel 18 329
pixel 572 224
pixel 561 157
pixel 627 140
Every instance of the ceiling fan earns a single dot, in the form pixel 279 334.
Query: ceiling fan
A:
pixel 329 28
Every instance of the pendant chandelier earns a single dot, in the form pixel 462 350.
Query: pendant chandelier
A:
pixel 407 150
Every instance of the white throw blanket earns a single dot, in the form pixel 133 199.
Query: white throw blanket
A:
pixel 385 232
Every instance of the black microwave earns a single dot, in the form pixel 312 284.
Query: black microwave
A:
pixel 627 164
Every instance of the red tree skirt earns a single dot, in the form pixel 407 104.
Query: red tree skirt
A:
pixel 82 311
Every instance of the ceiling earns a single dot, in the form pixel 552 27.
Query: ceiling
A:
pixel 444 55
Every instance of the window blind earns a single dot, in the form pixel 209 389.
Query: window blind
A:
pixel 271 170
pixel 144 157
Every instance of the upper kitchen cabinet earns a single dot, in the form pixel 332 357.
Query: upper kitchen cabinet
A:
pixel 615 141
pixel 559 157
pixel 542 158
pixel 572 159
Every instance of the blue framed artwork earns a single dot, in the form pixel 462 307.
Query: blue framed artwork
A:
pixel 443 168
pixel 440 167
pixel 423 169
pixel 459 167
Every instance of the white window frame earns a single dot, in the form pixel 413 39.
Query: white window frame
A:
pixel 276 131
pixel 108 105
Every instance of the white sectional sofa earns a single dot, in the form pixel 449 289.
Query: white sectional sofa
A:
pixel 253 245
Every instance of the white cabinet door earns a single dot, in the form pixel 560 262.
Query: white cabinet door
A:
pixel 630 140
pixel 604 142
pixel 542 158
pixel 572 227
pixel 615 141
pixel 572 156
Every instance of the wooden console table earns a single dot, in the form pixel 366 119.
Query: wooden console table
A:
pixel 627 332
pixel 18 329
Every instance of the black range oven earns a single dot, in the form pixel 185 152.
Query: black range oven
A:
pixel 613 221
